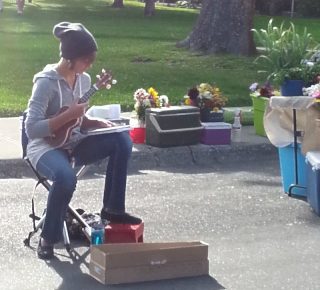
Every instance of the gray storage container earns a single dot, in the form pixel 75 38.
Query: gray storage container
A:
pixel 173 126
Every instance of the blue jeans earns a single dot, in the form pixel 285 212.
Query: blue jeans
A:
pixel 55 166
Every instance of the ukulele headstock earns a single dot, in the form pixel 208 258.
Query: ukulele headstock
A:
pixel 105 80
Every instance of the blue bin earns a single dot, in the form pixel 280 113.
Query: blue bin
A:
pixel 287 168
pixel 313 180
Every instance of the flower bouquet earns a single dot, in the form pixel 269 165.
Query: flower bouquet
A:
pixel 209 99
pixel 313 91
pixel 144 100
pixel 148 99
pixel 266 90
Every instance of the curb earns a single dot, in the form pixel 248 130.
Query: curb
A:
pixel 146 157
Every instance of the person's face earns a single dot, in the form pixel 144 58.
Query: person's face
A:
pixel 82 64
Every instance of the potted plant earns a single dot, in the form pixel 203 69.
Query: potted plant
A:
pixel 260 95
pixel 209 99
pixel 284 56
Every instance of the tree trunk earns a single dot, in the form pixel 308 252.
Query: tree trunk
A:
pixel 150 8
pixel 223 27
pixel 117 4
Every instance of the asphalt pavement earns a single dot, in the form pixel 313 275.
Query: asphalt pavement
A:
pixel 229 196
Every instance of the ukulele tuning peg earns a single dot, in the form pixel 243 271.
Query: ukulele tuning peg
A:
pixel 114 82
pixel 103 71
pixel 98 77
pixel 108 86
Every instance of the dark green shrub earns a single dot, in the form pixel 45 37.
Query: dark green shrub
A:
pixel 309 8
pixel 272 7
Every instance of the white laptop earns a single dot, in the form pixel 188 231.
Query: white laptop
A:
pixel 113 129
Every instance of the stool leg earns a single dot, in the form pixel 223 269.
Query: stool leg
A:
pixel 66 237
pixel 78 217
pixel 37 227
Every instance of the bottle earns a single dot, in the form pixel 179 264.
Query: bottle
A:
pixel 237 119
pixel 97 233
pixel 236 126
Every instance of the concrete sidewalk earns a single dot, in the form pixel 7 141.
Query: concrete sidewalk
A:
pixel 10 144
pixel 244 145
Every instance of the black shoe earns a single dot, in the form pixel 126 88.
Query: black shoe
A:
pixel 124 218
pixel 45 252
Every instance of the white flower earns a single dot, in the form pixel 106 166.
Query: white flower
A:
pixel 164 100
pixel 312 90
pixel 207 95
pixel 254 87
pixel 140 94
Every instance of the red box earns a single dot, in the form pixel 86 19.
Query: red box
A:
pixel 216 133
pixel 124 233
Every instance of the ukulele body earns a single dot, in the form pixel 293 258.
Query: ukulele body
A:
pixel 62 135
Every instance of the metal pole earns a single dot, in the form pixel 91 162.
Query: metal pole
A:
pixel 295 146
pixel 292 8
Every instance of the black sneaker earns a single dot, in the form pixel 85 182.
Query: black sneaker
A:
pixel 124 218
pixel 45 252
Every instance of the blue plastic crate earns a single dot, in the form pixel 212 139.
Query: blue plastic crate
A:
pixel 287 168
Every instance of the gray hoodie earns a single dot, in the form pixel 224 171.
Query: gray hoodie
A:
pixel 50 92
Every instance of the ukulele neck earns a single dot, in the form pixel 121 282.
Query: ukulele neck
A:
pixel 88 94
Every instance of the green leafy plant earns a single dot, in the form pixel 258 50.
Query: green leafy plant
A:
pixel 292 73
pixel 284 52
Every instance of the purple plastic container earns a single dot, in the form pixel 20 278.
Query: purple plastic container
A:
pixel 216 133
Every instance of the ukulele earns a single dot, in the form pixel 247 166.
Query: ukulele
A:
pixel 61 136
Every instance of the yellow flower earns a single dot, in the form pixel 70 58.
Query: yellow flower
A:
pixel 187 102
pixel 153 92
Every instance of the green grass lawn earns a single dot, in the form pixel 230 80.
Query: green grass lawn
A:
pixel 140 51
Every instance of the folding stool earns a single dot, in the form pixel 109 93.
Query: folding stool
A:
pixel 47 185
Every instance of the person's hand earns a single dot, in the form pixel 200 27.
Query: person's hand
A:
pixel 77 110
pixel 105 124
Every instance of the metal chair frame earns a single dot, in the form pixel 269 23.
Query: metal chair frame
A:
pixel 47 185
pixel 36 226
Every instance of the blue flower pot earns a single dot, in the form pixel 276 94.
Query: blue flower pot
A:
pixel 206 115
pixel 292 88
